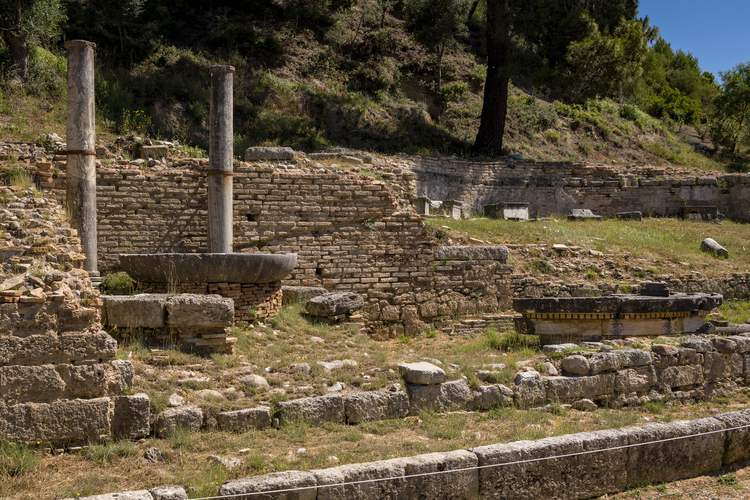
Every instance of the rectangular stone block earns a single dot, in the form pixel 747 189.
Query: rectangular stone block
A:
pixel 367 406
pixel 635 379
pixel 459 485
pixel 195 312
pixel 717 366
pixel 583 475
pixel 19 384
pixel 60 422
pixel 315 411
pixel 681 376
pixel 737 440
pixel 243 420
pixel 147 310
pixel 570 388
pixel 123 495
pixel 675 459
pixel 131 416
pixel 449 396
pixel 287 480
pixel 392 470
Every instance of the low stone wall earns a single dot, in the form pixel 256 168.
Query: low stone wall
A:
pixel 185 319
pixel 558 187
pixel 251 301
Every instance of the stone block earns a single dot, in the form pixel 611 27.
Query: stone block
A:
pixel 677 459
pixel 570 388
pixel 53 349
pixel 334 304
pixel 717 366
pixel 635 357
pixel 154 152
pixel 490 396
pixel 724 345
pixel 635 379
pixel 30 383
pixel 287 480
pixel 243 420
pixel 575 365
pixel 475 253
pixel 315 411
pixel 119 374
pixel 194 312
pixel 189 417
pixel 263 153
pixel 123 495
pixel 147 310
pixel 362 474
pixel 737 442
pixel 742 343
pixel 698 343
pixel 580 476
pixel 367 406
pixel 529 390
pixel 131 416
pixel 681 376
pixel 463 484
pixel 59 422
pixel 450 396
pixel 292 294
pixel 168 492
pixel 422 373
pixel 604 362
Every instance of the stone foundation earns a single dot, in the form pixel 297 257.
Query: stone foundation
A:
pixel 251 301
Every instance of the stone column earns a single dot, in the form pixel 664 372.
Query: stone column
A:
pixel 220 156
pixel 81 170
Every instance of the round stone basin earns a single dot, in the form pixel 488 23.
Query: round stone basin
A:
pixel 208 267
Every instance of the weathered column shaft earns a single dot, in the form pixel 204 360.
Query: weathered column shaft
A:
pixel 81 168
pixel 220 154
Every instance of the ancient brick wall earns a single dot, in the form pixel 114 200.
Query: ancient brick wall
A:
pixel 346 228
pixel 556 188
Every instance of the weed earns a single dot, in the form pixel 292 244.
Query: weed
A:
pixel 17 459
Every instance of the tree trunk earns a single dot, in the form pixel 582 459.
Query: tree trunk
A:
pixel 492 125
pixel 18 46
pixel 473 9
pixel 20 51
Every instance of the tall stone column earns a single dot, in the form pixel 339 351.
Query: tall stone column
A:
pixel 81 170
pixel 220 156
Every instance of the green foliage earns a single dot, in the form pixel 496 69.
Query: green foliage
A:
pixel 530 115
pixel 673 104
pixel 730 125
pixel 17 459
pixel 118 283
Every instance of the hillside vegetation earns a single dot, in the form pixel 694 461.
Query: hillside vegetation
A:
pixel 351 73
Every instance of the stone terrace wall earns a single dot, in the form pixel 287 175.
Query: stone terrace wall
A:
pixel 345 227
pixel 556 188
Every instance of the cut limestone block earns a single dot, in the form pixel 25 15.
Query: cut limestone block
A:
pixel 147 310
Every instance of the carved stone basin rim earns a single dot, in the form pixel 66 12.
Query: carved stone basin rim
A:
pixel 208 267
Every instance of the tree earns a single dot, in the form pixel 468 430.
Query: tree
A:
pixel 436 24
pixel 730 126
pixel 28 22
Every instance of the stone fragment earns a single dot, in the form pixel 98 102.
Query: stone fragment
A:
pixel 209 394
pixel 153 455
pixel 550 369
pixel 131 416
pixel 293 294
pixel 709 245
pixel 491 396
pixel 558 348
pixel 243 420
pixel 449 396
pixel 742 343
pixel 304 484
pixel 575 365
pixel 301 368
pixel 314 411
pixel 124 495
pixel 664 349
pixel 635 215
pixel 227 463
pixel 193 312
pixel 421 373
pixel 168 492
pixel 174 401
pixel 154 152
pixel 189 417
pixel 697 343
pixel 585 405
pixel 724 345
pixel 583 214
pixel 529 390
pixel 635 357
pixel 638 379
pixel 367 406
pixel 256 382
pixel 146 310
pixel 53 349
pixel 268 153
pixel 334 304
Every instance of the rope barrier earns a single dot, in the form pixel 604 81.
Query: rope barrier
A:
pixel 479 467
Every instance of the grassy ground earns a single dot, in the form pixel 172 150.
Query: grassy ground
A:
pixel 632 250
pixel 117 465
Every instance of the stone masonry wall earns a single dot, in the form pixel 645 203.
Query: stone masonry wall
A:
pixel 556 188
pixel 345 227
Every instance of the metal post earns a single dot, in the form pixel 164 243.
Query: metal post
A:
pixel 220 155
pixel 81 169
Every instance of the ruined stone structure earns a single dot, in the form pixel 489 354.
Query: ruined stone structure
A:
pixel 557 188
